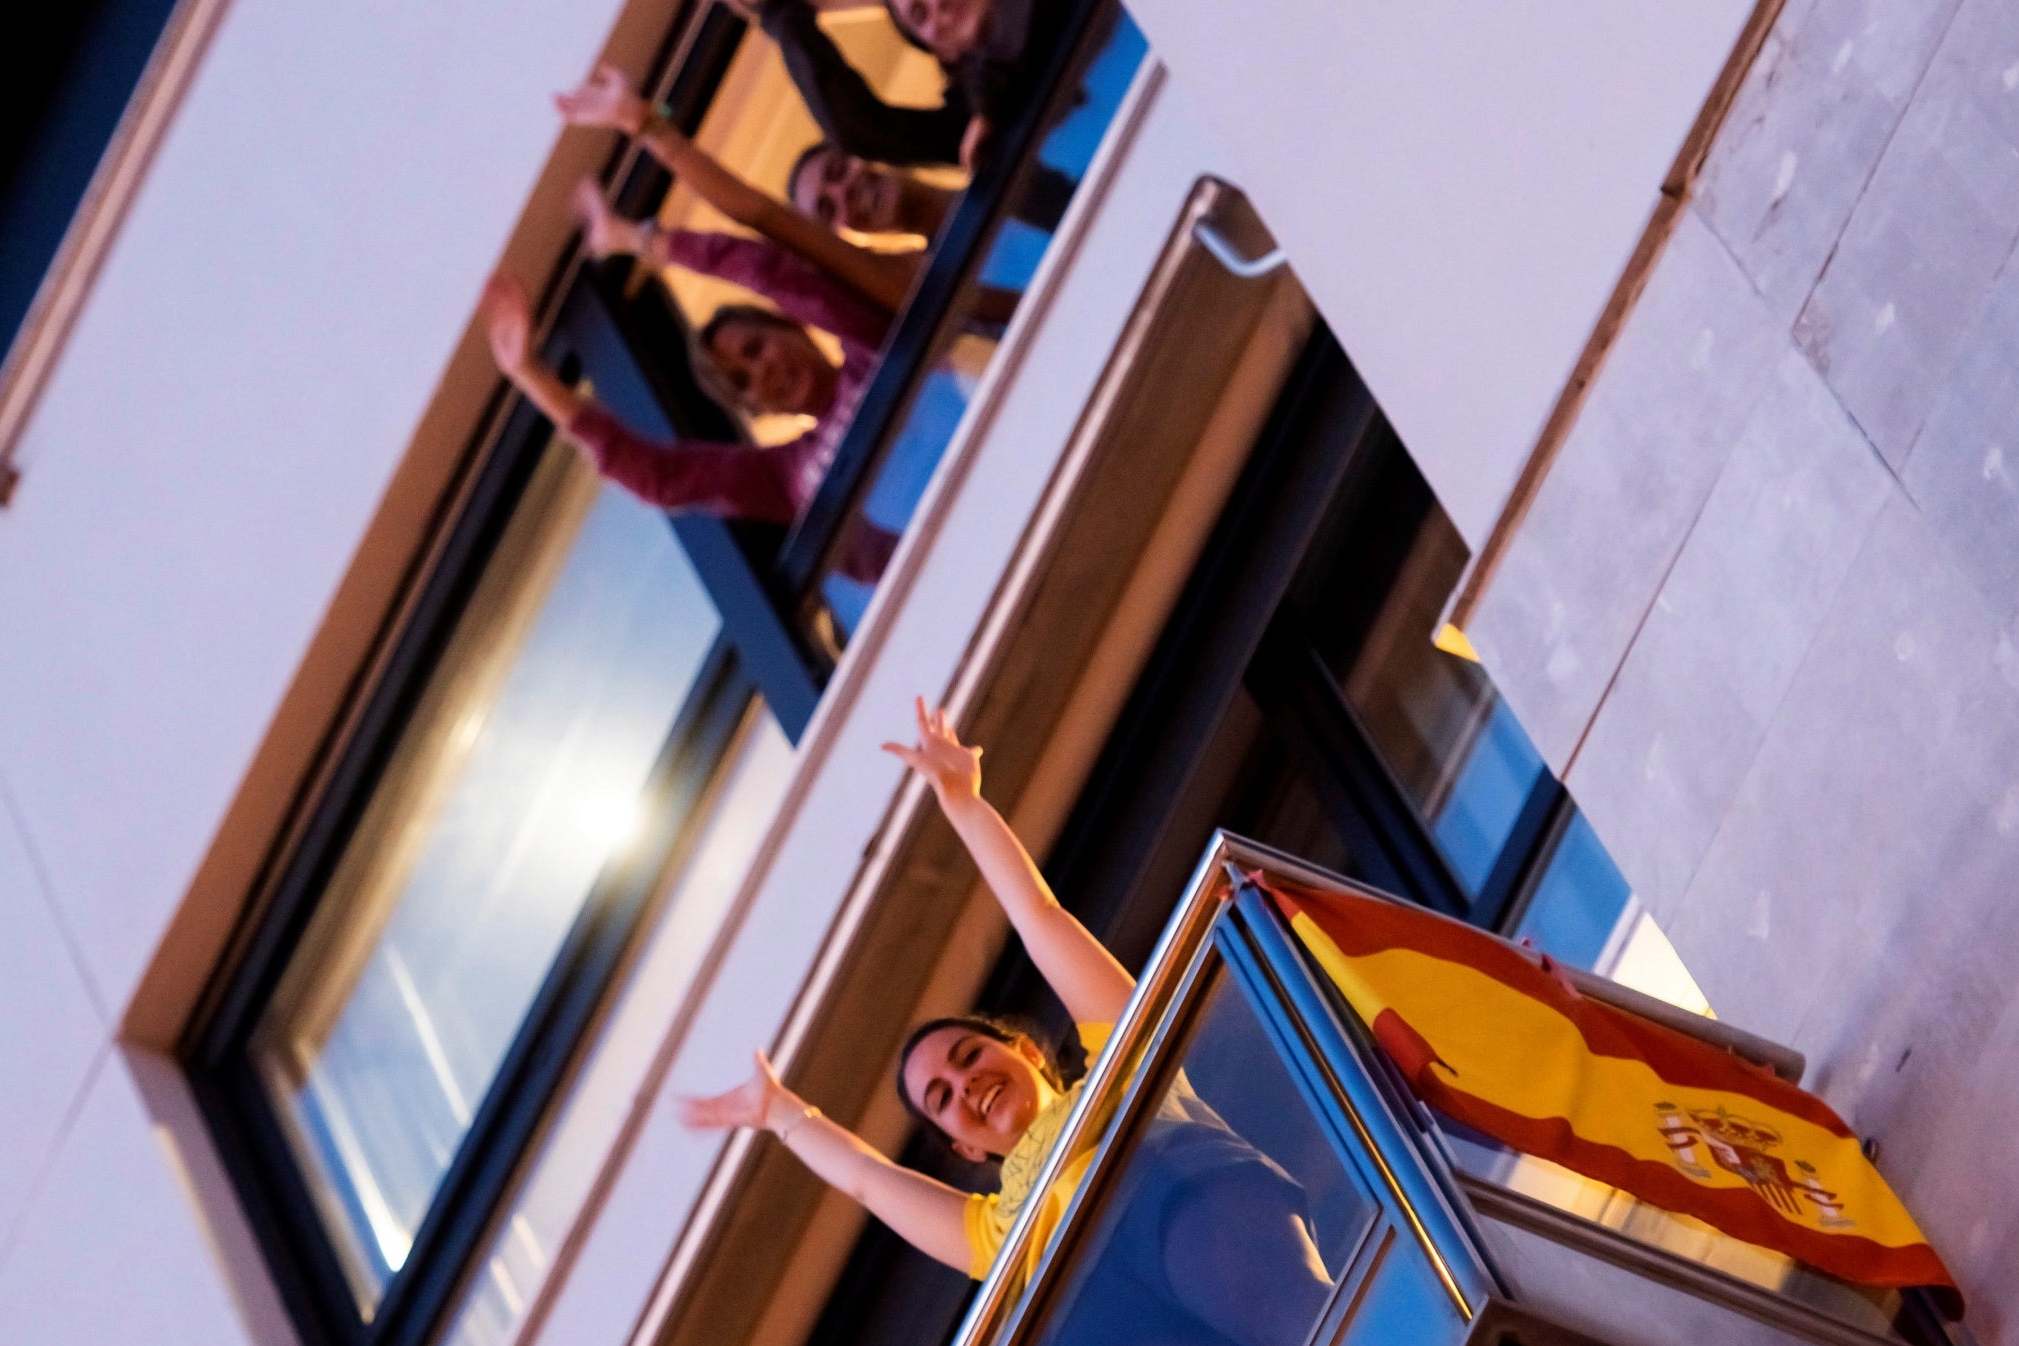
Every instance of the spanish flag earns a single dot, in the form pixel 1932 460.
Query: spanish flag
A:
pixel 1487 1035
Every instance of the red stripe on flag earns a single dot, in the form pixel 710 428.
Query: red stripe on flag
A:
pixel 1737 1211
pixel 1366 926
pixel 1405 1046
pixel 1362 926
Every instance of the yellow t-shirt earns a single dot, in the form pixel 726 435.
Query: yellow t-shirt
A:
pixel 988 1215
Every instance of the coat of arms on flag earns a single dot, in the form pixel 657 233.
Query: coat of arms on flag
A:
pixel 1488 1036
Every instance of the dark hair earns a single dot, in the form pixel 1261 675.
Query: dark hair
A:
pixel 708 369
pixel 894 8
pixel 1006 1031
pixel 734 313
pixel 799 166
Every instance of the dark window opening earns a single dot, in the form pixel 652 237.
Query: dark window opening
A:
pixel 73 72
pixel 1306 695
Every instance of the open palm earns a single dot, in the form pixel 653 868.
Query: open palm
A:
pixel 508 321
pixel 748 1104
pixel 603 231
pixel 951 767
pixel 603 100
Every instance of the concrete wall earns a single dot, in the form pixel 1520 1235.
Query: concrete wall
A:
pixel 1765 614
pixel 1458 185
pixel 271 366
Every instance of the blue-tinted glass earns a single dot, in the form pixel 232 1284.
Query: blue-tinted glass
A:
pixel 1578 901
pixel 927 423
pixel 1496 773
pixel 1231 1212
pixel 1452 744
pixel 518 778
pixel 1403 1304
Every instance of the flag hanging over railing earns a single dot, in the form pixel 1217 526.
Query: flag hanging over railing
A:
pixel 1487 1035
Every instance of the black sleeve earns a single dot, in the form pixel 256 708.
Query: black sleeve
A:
pixel 848 111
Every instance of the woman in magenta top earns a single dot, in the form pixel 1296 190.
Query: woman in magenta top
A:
pixel 769 362
pixel 766 361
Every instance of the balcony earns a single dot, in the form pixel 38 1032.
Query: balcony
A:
pixel 1408 1228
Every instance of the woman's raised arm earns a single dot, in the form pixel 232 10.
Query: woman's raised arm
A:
pixel 605 99
pixel 1077 966
pixel 924 1211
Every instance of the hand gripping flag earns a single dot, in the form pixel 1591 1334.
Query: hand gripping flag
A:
pixel 1492 1039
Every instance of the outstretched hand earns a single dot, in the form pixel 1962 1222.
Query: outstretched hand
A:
pixel 508 322
pixel 603 231
pixel 604 100
pixel 974 142
pixel 751 1103
pixel 950 767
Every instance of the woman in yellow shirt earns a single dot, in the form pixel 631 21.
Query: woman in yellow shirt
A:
pixel 1211 1243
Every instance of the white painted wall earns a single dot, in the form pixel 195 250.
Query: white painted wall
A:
pixel 269 328
pixel 1013 455
pixel 1458 184
pixel 276 318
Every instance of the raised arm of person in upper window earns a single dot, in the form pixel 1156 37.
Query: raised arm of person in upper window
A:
pixel 606 100
pixel 847 109
pixel 1090 981
pixel 728 480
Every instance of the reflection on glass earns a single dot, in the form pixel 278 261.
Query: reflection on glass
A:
pixel 1584 914
pixel 518 777
pixel 745 795
pixel 1230 1211
pixel 1683 1236
pixel 1432 711
pixel 955 367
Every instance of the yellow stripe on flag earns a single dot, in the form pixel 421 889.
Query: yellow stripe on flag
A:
pixel 1495 1043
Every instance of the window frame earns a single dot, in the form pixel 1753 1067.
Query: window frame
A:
pixel 1321 465
pixel 764 578
pixel 479 1179
pixel 957 254
pixel 594 335
pixel 632 344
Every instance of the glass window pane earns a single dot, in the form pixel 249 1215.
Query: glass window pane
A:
pixel 1231 1213
pixel 1583 913
pixel 1453 745
pixel 955 367
pixel 1433 713
pixel 517 778
pixel 1487 1161
pixel 745 795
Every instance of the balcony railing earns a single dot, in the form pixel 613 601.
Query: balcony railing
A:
pixel 1417 1230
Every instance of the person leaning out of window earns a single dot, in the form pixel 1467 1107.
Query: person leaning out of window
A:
pixel 1211 1241
pixel 987 47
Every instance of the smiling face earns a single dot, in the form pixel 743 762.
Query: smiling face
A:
pixel 774 367
pixel 840 189
pixel 949 28
pixel 982 1092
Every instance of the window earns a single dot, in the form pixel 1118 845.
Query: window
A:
pixel 504 1285
pixel 790 594
pixel 1226 1181
pixel 522 776
pixel 901 452
pixel 1246 1164
pixel 530 765
pixel 78 67
pixel 576 691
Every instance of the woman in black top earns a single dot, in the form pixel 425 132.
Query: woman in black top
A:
pixel 986 47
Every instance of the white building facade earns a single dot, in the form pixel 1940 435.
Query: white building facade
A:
pixel 398 819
